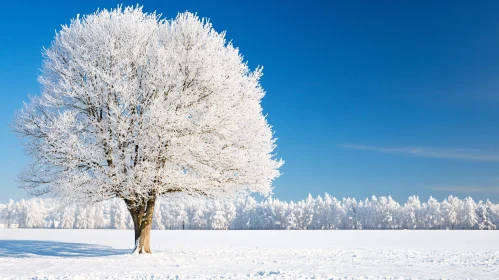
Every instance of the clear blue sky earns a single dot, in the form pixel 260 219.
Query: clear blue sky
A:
pixel 366 97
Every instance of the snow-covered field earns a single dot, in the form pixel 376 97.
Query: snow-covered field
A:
pixel 103 254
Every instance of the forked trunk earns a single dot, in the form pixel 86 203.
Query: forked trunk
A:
pixel 142 213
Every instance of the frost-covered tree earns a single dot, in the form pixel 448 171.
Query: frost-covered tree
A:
pixel 35 213
pixel 270 214
pixel 458 208
pixel 67 217
pixel 157 222
pixel 411 210
pixel 230 213
pixel 118 215
pixel 22 213
pixel 218 220
pixel 134 106
pixel 470 216
pixel 433 215
pixel 198 220
pixel 484 215
pixel 3 214
pixel 10 214
pixel 98 215
pixel 449 214
pixel 82 218
pixel 291 220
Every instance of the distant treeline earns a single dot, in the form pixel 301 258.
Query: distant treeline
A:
pixel 323 212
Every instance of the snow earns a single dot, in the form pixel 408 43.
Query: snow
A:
pixel 105 254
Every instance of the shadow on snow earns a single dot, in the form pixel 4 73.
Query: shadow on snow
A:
pixel 31 248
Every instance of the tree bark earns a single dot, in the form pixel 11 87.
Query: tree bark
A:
pixel 142 213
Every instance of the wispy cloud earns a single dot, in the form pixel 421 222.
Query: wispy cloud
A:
pixel 431 152
pixel 458 189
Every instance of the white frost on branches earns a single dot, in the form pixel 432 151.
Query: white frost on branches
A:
pixel 135 106
pixel 323 212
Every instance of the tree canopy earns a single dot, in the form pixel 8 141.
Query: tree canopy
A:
pixel 135 106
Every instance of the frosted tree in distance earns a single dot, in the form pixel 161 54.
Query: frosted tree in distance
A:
pixel 136 107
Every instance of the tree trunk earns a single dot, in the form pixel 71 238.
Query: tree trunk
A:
pixel 142 214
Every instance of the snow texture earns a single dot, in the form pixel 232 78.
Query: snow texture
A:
pixel 105 254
